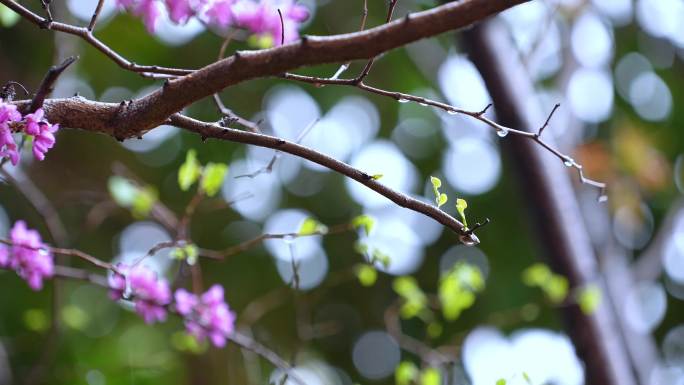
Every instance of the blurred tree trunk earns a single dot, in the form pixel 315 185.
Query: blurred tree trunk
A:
pixel 548 190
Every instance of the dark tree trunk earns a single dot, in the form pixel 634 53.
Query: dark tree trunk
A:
pixel 548 190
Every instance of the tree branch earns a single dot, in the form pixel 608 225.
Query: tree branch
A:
pixel 210 130
pixel 143 114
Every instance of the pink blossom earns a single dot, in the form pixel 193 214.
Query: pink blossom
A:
pixel 263 18
pixel 149 293
pixel 8 148
pixel 42 131
pixel 185 302
pixel 180 10
pixel 206 316
pixel 147 9
pixel 28 256
pixel 220 13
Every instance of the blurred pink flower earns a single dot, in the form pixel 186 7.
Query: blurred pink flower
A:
pixel 28 256
pixel 150 294
pixel 206 316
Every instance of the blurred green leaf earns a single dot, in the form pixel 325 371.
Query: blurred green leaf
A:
pixel 185 342
pixel 536 275
pixel 75 317
pixel 8 18
pixel 36 320
pixel 260 41
pixel 430 376
pixel 144 201
pixel 312 226
pixel 377 176
pixel 457 289
pixel 414 300
pixel 434 329
pixel 122 191
pixel 188 253
pixel 212 178
pixel 363 221
pixel 589 298
pixel 366 274
pixel 189 171
pixel 380 257
pixel 556 288
pixel 405 373
pixel 501 382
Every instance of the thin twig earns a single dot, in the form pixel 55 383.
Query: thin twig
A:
pixel 369 64
pixel 96 14
pixel 248 244
pixel 269 167
pixel 210 130
pixel 248 343
pixel 282 27
pixel 479 115
pixel 68 252
pixel 86 34
pixel 364 18
pixel 45 88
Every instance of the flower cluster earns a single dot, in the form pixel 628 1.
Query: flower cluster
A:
pixel 207 315
pixel 27 255
pixel 150 294
pixel 34 125
pixel 261 18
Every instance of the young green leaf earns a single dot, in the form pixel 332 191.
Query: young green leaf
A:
pixel 377 176
pixel 212 178
pixel 189 171
pixel 366 274
pixel 461 206
pixel 440 198
pixel 363 221
pixel 501 382
pixel 311 226
pixel 188 253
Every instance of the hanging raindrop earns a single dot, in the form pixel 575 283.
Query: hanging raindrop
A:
pixel 451 112
pixel 569 162
pixel 402 100
pixel 502 133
